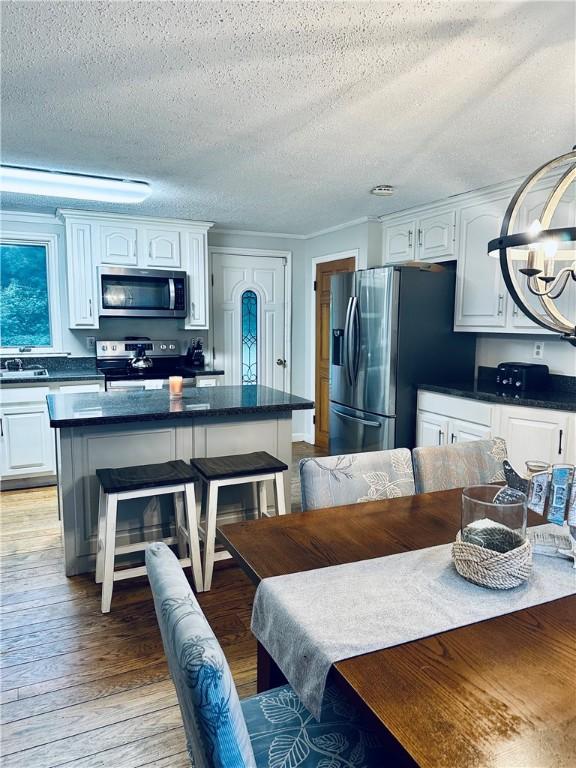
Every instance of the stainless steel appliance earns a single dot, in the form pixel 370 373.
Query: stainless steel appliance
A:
pixel 121 364
pixel 142 292
pixel 391 329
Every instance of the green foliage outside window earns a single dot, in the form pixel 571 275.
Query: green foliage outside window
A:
pixel 24 308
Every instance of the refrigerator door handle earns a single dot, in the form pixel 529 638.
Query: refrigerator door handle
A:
pixel 355 322
pixel 347 347
pixel 351 340
pixel 366 422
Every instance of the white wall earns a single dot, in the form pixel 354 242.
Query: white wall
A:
pixel 559 356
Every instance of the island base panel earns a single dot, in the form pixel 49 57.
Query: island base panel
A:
pixel 83 450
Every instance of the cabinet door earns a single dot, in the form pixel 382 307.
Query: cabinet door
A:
pixel 118 245
pixel 162 248
pixel 463 431
pixel 27 441
pixel 534 434
pixel 81 271
pixel 399 241
pixel 195 263
pixel 431 429
pixel 480 293
pixel 435 236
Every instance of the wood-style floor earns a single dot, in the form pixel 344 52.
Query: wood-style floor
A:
pixel 84 690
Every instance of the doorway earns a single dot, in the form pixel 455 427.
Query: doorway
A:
pixel 324 271
pixel 250 325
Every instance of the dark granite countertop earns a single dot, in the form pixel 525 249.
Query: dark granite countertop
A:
pixel 56 376
pixel 69 410
pixel 552 399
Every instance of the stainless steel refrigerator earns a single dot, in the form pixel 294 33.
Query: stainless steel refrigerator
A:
pixel 391 329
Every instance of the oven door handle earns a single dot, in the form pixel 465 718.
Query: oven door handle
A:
pixel 172 293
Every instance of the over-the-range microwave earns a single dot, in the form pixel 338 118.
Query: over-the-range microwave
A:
pixel 126 292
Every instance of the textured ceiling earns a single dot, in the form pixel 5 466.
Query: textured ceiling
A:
pixel 281 116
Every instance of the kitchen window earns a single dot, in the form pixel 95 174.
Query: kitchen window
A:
pixel 29 312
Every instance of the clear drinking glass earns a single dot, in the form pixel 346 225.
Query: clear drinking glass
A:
pixel 493 517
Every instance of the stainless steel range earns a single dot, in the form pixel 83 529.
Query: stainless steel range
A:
pixel 137 364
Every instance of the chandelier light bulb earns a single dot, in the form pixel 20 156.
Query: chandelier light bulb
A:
pixel 535 228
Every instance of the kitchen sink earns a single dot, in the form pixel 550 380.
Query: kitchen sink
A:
pixel 26 373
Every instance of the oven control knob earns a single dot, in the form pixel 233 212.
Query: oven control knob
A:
pixel 162 346
pixel 172 346
pixel 114 347
pixel 104 348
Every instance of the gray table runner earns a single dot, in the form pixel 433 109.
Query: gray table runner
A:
pixel 309 620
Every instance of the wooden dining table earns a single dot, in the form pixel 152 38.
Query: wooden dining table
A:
pixel 498 693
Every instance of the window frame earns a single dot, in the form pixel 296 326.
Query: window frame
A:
pixel 50 242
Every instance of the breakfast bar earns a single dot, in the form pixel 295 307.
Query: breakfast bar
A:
pixel 115 429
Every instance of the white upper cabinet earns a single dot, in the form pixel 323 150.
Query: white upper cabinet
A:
pixel 162 248
pixel 118 245
pixel 481 296
pixel 435 236
pixel 399 241
pixel 427 236
pixel 94 239
pixel 81 275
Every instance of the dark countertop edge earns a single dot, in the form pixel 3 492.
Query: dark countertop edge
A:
pixel 55 378
pixel 553 401
pixel 206 372
pixel 177 415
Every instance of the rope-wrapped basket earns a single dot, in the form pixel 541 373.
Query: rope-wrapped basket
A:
pixel 491 568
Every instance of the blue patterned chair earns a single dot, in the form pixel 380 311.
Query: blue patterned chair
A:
pixel 441 467
pixel 337 480
pixel 271 730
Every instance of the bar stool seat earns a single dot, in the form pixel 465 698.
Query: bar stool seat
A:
pixel 219 471
pixel 123 483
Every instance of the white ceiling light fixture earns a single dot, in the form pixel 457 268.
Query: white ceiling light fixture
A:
pixel 383 190
pixel 32 181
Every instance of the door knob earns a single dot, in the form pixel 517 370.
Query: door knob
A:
pixel 281 362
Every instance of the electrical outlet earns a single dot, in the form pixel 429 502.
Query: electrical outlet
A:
pixel 538 350
pixel 91 343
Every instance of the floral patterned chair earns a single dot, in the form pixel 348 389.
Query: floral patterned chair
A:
pixel 439 468
pixel 271 730
pixel 336 480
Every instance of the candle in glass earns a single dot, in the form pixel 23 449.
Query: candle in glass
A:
pixel 175 385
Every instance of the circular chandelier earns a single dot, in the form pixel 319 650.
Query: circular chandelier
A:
pixel 539 264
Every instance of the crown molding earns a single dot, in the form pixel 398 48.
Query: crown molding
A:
pixel 255 233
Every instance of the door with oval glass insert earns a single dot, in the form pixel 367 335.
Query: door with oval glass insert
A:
pixel 249 318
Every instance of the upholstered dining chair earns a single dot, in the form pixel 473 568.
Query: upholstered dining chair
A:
pixel 352 478
pixel 441 467
pixel 265 731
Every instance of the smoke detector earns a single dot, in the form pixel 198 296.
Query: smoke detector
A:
pixel 383 190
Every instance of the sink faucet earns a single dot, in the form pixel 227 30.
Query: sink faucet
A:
pixel 15 364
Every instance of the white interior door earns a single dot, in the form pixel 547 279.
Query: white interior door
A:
pixel 249 318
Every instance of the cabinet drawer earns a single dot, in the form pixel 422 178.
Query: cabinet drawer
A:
pixel 74 389
pixel 24 395
pixel 456 407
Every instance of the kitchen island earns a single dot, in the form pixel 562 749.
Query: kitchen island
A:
pixel 115 429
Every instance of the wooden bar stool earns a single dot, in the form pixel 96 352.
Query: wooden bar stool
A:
pixel 175 477
pixel 221 471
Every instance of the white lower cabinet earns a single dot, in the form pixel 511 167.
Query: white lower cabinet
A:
pixel 445 419
pixel 536 434
pixel 531 434
pixel 27 442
